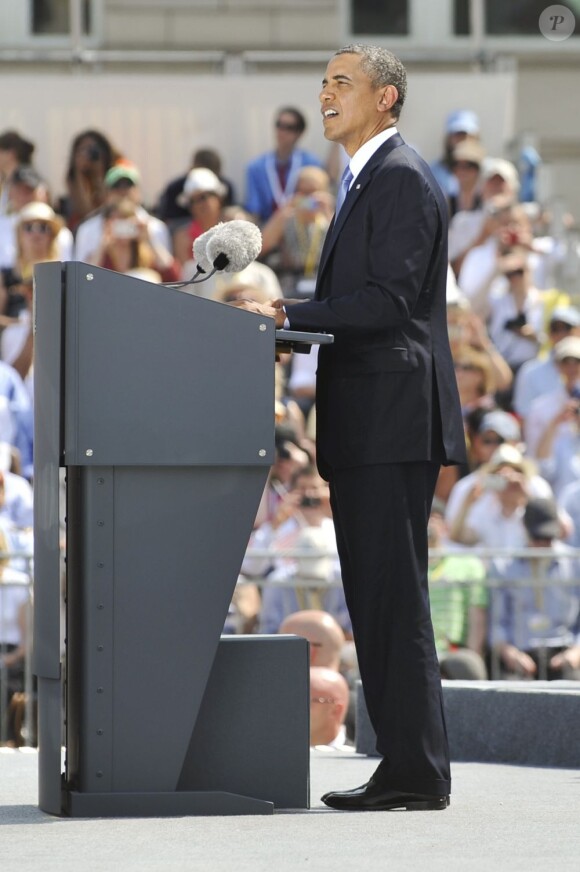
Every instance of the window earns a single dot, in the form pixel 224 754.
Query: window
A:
pixel 389 17
pixel 519 18
pixel 461 18
pixel 52 17
pixel 516 18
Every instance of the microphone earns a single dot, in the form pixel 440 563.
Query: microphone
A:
pixel 234 245
pixel 204 265
pixel 227 247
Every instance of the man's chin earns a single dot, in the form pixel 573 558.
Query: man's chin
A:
pixel 330 134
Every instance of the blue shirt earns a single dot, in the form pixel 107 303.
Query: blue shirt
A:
pixel 12 387
pixel 535 617
pixel 534 378
pixel 260 195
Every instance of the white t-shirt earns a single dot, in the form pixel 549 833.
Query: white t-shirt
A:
pixel 493 529
pixel 538 488
pixel 89 234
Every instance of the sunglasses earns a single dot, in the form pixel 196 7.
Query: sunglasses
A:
pixel 514 273
pixel 283 125
pixel 121 184
pixel 36 227
pixel 492 440
pixel 201 198
pixel 560 327
pixel 465 165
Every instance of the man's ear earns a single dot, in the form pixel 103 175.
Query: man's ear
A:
pixel 389 97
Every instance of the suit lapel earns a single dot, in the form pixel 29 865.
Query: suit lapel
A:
pixel 354 193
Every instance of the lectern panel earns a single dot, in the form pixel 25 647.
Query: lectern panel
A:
pixel 157 376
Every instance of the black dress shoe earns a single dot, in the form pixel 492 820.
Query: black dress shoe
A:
pixel 374 796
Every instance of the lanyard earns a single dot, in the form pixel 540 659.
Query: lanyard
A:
pixel 282 196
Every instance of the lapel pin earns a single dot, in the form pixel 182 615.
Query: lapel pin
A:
pixel 357 187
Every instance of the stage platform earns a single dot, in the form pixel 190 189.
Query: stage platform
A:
pixel 502 818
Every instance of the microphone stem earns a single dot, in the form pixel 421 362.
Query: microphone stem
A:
pixel 192 281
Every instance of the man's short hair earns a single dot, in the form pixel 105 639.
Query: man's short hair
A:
pixel 383 68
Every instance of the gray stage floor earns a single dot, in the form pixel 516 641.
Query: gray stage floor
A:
pixel 501 818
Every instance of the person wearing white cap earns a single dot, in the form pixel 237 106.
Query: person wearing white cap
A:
pixel 507 228
pixel 460 125
pixel 203 194
pixel 26 186
pixel 496 522
pixel 466 162
pixel 496 429
pixel 553 423
pixel 37 230
pixel 537 377
pixel 470 228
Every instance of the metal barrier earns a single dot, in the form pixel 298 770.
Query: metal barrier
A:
pixel 493 581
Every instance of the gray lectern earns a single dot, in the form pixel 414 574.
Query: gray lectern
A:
pixel 159 407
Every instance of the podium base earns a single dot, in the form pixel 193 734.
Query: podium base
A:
pixel 180 803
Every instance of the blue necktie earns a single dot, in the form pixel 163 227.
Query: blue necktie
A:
pixel 347 178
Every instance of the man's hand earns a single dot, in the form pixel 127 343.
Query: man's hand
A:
pixel 269 311
pixel 280 303
pixel 253 306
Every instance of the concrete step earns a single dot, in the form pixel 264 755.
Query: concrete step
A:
pixel 535 723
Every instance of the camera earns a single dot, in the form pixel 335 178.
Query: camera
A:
pixel 125 228
pixel 309 502
pixel 516 323
pixel 309 203
pixel 494 482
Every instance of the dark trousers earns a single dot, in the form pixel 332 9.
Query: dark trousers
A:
pixel 380 515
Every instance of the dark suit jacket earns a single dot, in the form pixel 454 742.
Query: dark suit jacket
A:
pixel 386 388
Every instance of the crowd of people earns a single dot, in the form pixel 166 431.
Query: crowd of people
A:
pixel 515 340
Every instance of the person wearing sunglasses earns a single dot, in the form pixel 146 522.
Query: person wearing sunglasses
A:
pixel 37 233
pixel 37 229
pixel 329 697
pixel 495 429
pixel 272 177
pixel 517 311
pixel 537 377
pixel 466 161
pixel 90 157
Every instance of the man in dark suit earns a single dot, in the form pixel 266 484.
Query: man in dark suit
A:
pixel 388 416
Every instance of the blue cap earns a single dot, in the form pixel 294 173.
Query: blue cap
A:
pixel 462 121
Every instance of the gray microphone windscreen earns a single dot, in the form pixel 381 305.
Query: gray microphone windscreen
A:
pixel 200 249
pixel 239 241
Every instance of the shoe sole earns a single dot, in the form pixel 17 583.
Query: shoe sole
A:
pixel 430 805
pixel 414 805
